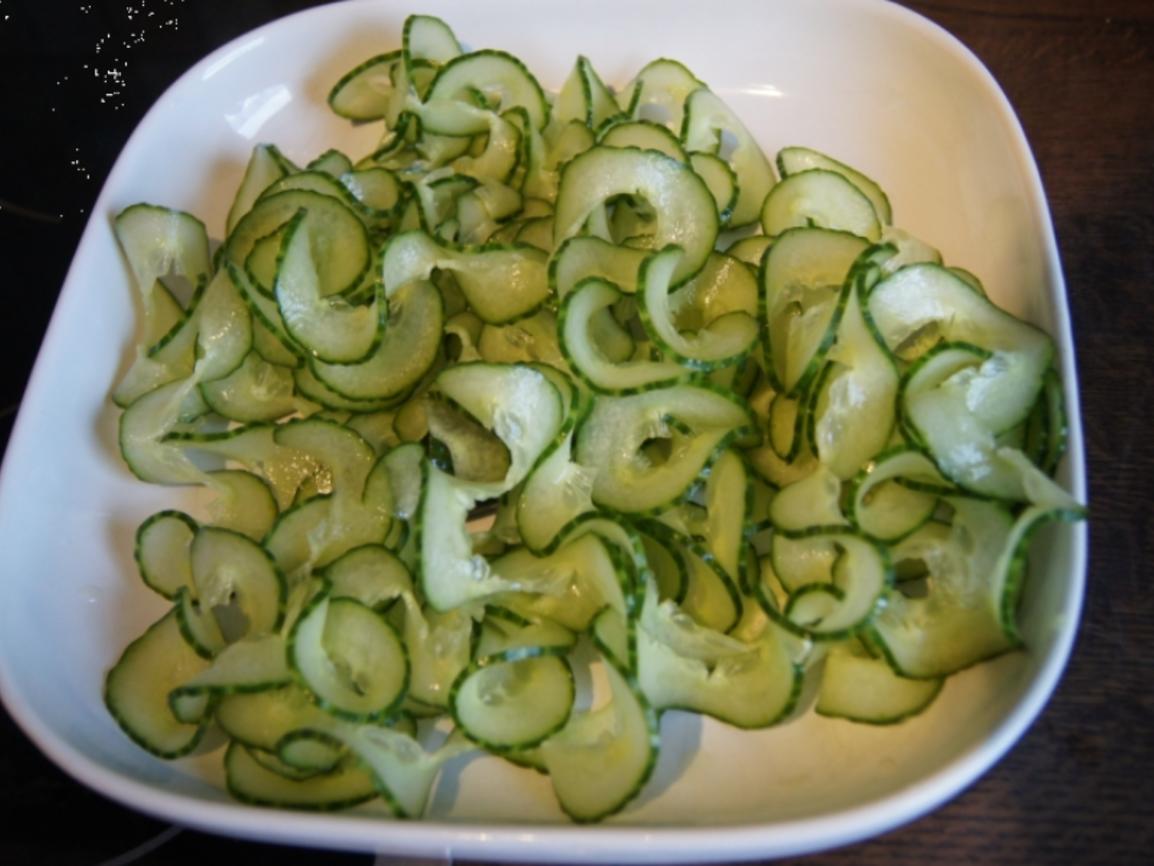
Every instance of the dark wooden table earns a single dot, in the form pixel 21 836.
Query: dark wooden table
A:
pixel 1079 788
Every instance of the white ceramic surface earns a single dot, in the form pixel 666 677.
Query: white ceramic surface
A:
pixel 866 81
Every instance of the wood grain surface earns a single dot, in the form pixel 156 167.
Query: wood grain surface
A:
pixel 1079 787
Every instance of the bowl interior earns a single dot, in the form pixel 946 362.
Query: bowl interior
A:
pixel 866 82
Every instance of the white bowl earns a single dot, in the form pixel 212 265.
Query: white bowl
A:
pixel 869 82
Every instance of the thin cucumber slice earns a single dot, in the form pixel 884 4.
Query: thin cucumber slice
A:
pixel 255 391
pixel 162 548
pixel 249 665
pixel 408 350
pixel 854 597
pixel 669 562
pixel 405 467
pixel 584 98
pixel 270 337
pixel 722 287
pixel 536 232
pixel 323 759
pixel 348 457
pixel 440 647
pixel 802 277
pixel 939 416
pixel 251 781
pixel 819 198
pixel 166 350
pixel 435 200
pixel 1013 557
pixel 603 757
pixel 936 366
pixel 329 329
pixel 644 135
pixel 546 154
pixel 200 626
pixel 501 283
pixel 371 574
pixel 377 190
pixel 230 570
pixel 728 505
pixel 853 412
pixel 514 700
pixel 679 197
pixel 658 93
pixel 313 179
pixel 338 234
pixel 959 621
pixel 750 249
pixel 667 624
pixel 428 38
pixel 581 257
pixel 887 509
pixel 794 160
pixel 862 688
pixel 403 770
pixel 318 531
pixel 451 574
pixel 925 296
pixel 503 80
pixel 721 180
pixel 959 415
pixel 143 432
pixel 529 340
pixel 610 441
pixel 365 91
pixel 578 309
pixel 377 492
pixel 475 453
pixel 721 342
pixel 211 340
pixel 615 637
pixel 261 719
pixel 462 333
pixel 314 391
pixel 244 503
pixel 586 577
pixel 508 634
pixel 350 658
pixel 708 123
pixel 519 404
pixel 158 241
pixel 332 162
pixel 813 502
pixel 265 167
pixel 912 554
pixel 682 666
pixel 712 597
pixel 496 162
pixel 136 689
pixel 911 250
pixel 615 340
pixel 785 425
pixel 627 548
pixel 556 493
pixel 223 329
pixel 254 447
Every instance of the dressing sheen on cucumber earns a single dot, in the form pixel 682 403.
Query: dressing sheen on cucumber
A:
pixel 551 414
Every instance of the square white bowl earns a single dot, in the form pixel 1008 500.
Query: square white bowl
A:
pixel 869 82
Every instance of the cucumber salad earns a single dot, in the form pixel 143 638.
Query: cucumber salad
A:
pixel 549 415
